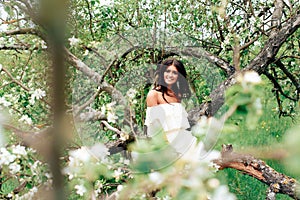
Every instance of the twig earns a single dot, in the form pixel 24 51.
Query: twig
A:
pixel 88 102
pixel 109 127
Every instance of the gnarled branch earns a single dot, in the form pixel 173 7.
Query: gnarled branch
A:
pixel 278 182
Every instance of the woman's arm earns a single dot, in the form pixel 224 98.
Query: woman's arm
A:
pixel 152 98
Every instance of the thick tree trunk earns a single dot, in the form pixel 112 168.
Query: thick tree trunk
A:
pixel 278 182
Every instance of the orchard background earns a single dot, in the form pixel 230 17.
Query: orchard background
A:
pixel 75 74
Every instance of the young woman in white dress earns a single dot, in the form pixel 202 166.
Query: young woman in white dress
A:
pixel 164 109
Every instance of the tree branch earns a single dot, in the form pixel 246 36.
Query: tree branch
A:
pixel 258 64
pixel 189 51
pixel 278 182
pixel 277 86
pixel 290 76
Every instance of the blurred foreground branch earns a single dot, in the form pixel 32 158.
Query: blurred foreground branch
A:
pixel 278 182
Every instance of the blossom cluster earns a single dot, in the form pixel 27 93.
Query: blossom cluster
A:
pixel 17 161
pixel 36 95
pixel 84 166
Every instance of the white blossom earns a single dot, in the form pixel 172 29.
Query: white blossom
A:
pixel 252 77
pixel 99 150
pixel 117 174
pixel 43 44
pixel 213 183
pixel 81 155
pixel 6 157
pixel 120 188
pixel 34 167
pixel 4 102
pixel 222 192
pixel 19 150
pixel 111 117
pixel 86 52
pixel 126 161
pixel 31 100
pixel 167 198
pixel 73 41
pixel 156 177
pixel 1 67
pixel 110 105
pixel 10 195
pixel 257 104
pixel 256 43
pixel 134 101
pixel 201 127
pixel 26 119
pixel 39 94
pixel 14 168
pixel 80 189
pixel 103 109
pixel 29 195
pixel 131 93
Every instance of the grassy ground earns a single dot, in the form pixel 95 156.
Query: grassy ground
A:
pixel 268 134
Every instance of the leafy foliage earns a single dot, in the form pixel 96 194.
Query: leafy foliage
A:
pixel 123 41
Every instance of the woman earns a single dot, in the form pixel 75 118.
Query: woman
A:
pixel 164 109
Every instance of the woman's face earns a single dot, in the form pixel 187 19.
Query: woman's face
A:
pixel 171 75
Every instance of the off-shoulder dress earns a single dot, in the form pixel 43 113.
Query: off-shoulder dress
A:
pixel 172 119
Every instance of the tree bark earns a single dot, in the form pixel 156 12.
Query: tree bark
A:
pixel 278 182
pixel 258 64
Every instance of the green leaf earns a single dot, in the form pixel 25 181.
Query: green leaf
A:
pixel 9 185
pixel 242 99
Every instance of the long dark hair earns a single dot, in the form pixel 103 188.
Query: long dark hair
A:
pixel 180 88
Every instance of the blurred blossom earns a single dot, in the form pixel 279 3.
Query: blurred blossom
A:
pixel 222 192
pixel 34 167
pixel 249 77
pixel 38 94
pixel 103 109
pixel 131 93
pixel 86 52
pixel 201 127
pixel 213 183
pixel 156 177
pixel 117 174
pixel 14 168
pixel 111 117
pixel 74 41
pixel 80 155
pixel 99 150
pixel 256 43
pixel 4 102
pixel 167 198
pixel 110 106
pixel 126 161
pixel 19 150
pixel 43 44
pixel 29 195
pixel 80 189
pixel 26 119
pixel 134 101
pixel 119 188
pixel 1 67
pixel 6 157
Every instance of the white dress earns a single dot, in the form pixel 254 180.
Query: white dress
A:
pixel 172 119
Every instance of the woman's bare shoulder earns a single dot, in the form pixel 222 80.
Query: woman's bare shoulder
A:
pixel 152 98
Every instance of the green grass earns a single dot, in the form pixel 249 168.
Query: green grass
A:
pixel 268 134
